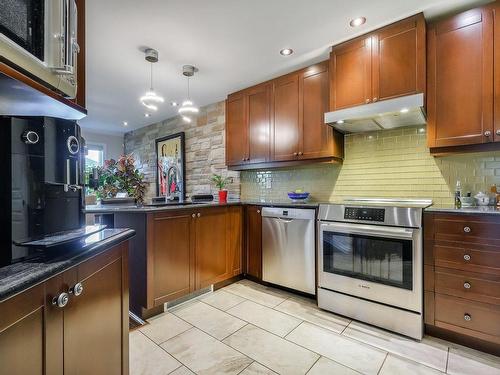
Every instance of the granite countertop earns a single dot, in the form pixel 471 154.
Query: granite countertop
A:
pixel 20 276
pixel 111 208
pixel 482 210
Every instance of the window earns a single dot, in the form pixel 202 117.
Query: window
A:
pixel 94 157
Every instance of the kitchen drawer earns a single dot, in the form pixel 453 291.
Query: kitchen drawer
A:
pixel 468 285
pixel 474 258
pixel 467 229
pixel 476 319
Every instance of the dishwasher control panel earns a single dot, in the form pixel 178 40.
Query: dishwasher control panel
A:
pixel 361 213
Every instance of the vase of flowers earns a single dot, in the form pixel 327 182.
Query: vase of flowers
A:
pixel 121 176
pixel 221 182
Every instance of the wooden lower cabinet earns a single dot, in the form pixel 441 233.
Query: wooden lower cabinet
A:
pixel 253 248
pixel 190 249
pixel 211 254
pixel 170 256
pixel 87 336
pixel 462 279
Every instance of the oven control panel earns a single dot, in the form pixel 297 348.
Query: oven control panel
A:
pixel 368 214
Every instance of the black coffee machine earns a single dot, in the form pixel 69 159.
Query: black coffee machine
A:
pixel 41 189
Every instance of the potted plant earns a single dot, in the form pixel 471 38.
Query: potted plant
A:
pixel 121 176
pixel 221 182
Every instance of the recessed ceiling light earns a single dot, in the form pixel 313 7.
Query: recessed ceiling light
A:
pixel 340 122
pixel 174 104
pixel 147 115
pixel 125 123
pixel 404 110
pixel 357 21
pixel 286 51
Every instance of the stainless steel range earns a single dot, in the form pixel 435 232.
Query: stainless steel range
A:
pixel 370 262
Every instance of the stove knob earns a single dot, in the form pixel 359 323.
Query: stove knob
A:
pixel 30 137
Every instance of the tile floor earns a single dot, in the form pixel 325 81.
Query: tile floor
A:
pixel 250 329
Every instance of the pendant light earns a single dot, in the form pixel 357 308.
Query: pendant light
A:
pixel 150 100
pixel 187 108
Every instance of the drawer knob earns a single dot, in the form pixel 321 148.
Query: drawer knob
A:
pixel 61 300
pixel 77 289
pixel 258 211
pixel 467 285
pixel 467 229
pixel 198 214
pixel 467 317
pixel 466 257
pixel 487 133
pixel 193 215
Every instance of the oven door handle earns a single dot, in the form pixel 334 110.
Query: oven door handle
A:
pixel 368 230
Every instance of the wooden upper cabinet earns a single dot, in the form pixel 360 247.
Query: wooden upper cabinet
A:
pixel 350 74
pixel 286 129
pixel 385 64
pixel 460 79
pixel 398 65
pixel 259 122
pixel 282 121
pixel 236 129
pixel 317 140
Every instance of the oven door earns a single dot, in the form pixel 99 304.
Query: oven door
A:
pixel 377 263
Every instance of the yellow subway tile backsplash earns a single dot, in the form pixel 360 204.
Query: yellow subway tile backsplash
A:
pixel 394 163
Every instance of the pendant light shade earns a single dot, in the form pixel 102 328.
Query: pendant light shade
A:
pixel 188 108
pixel 151 99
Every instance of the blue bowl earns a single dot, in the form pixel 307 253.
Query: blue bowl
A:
pixel 298 196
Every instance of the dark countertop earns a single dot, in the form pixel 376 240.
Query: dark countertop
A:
pixel 20 276
pixel 477 210
pixel 110 208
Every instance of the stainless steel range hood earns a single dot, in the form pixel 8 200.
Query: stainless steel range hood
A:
pixel 385 114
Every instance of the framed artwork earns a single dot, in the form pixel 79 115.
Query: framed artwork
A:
pixel 170 176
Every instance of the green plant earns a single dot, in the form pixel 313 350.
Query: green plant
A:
pixel 220 182
pixel 121 176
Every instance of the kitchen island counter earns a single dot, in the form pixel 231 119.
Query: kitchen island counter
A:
pixel 20 276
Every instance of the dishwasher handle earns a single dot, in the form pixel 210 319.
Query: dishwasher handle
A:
pixel 289 213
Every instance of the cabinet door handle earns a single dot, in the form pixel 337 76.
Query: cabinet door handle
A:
pixel 198 214
pixel 300 153
pixel 375 99
pixel 498 132
pixel 467 317
pixel 61 300
pixel 467 285
pixel 295 153
pixel 193 216
pixel 258 211
pixel 367 100
pixel 77 289
pixel 466 257
pixel 487 133
pixel 467 229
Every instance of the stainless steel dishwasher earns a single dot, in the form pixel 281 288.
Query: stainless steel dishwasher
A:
pixel 288 255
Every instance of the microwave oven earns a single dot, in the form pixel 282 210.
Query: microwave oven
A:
pixel 39 38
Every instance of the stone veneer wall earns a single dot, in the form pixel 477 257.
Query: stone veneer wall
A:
pixel 204 150
pixel 391 163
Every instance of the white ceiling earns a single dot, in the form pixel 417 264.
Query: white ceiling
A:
pixel 234 43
